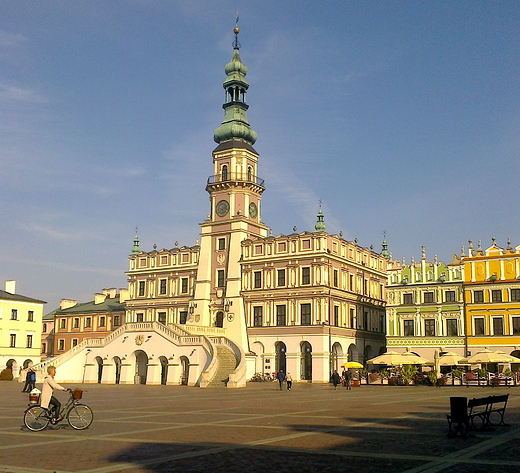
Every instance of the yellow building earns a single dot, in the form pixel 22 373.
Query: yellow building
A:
pixel 492 298
pixel 20 329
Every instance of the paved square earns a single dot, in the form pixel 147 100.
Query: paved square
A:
pixel 313 428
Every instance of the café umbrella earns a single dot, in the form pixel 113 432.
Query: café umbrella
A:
pixel 489 356
pixel 352 364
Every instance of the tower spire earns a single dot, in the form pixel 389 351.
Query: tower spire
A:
pixel 384 250
pixel 320 224
pixel 235 124
pixel 136 248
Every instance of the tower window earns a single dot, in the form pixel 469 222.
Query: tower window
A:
pixel 221 244
pixel 141 288
pixel 225 172
pixel 220 278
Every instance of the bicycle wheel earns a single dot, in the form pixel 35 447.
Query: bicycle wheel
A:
pixel 36 418
pixel 80 416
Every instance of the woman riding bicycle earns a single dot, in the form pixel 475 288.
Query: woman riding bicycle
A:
pixel 49 385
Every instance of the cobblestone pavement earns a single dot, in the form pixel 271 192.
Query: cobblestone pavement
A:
pixel 313 428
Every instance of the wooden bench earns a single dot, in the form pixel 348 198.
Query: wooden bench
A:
pixel 475 414
pixel 498 406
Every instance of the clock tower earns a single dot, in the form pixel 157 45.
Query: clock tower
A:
pixel 235 192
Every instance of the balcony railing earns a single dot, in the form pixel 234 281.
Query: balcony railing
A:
pixel 236 177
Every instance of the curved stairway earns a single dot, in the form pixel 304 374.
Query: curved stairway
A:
pixel 227 363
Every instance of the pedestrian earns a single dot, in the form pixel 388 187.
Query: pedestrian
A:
pixel 288 378
pixel 280 376
pixel 348 380
pixel 32 380
pixel 26 388
pixel 336 379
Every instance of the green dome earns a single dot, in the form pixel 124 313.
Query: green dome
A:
pixel 236 65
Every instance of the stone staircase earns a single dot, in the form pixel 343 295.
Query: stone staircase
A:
pixel 226 365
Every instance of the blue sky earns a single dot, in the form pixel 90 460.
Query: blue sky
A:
pixel 401 116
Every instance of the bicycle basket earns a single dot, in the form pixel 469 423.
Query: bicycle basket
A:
pixel 77 393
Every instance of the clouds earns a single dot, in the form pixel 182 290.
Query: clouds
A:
pixel 18 94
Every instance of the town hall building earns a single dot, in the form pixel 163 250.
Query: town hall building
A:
pixel 241 301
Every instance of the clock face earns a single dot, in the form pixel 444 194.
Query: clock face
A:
pixel 222 208
pixel 253 211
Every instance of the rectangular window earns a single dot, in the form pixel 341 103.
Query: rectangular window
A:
pixel 408 298
pixel 140 317
pixel 184 285
pixel 516 325
pixel 351 278
pixel 306 275
pixel 452 329
pixel 141 288
pixel 14 314
pixel 282 246
pixel 515 295
pixel 143 262
pixel 116 321
pixel 63 324
pixel 257 316
pixel 12 340
pixel 183 316
pixel 478 296
pixel 498 326
pixel 352 318
pixel 29 341
pixel 305 313
pixel 88 322
pixel 185 257
pixel 280 315
pixel 162 317
pixel 75 323
pixel 30 316
pixel 164 260
pixel 479 325
pixel 44 347
pixel 429 327
pixel 306 244
pixel 450 296
pixel 162 286
pixel 257 279
pixel 221 278
pixel 408 328
pixel 258 249
pixel 221 244
pixel 336 315
pixel 496 295
pixel 335 278
pixel 281 277
pixel 61 344
pixel 74 342
pixel 102 321
pixel 428 297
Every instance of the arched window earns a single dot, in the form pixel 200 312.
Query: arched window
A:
pixel 249 173
pixel 224 172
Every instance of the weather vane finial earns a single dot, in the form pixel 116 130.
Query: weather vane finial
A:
pixel 236 30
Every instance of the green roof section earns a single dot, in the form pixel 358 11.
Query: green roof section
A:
pixel 109 305
pixel 320 224
pixel 7 296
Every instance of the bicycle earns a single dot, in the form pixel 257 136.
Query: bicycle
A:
pixel 79 416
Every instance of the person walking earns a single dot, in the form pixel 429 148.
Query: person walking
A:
pixel 27 388
pixel 280 376
pixel 348 380
pixel 336 379
pixel 288 378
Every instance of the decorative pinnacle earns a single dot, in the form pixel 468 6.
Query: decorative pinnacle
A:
pixel 236 30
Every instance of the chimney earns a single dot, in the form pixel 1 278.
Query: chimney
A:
pixel 99 298
pixel 67 303
pixel 110 293
pixel 10 287
pixel 123 295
